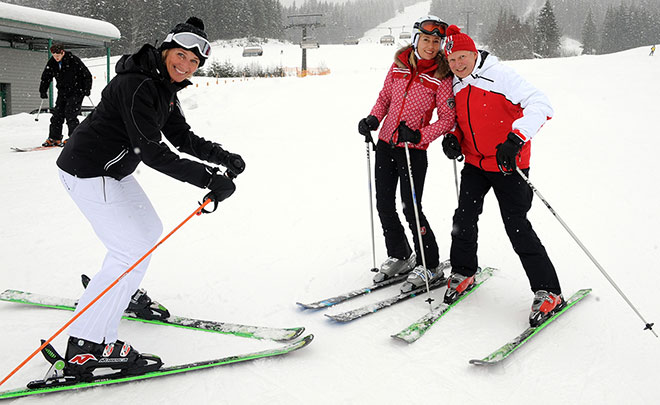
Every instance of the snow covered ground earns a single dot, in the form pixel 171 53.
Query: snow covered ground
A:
pixel 297 229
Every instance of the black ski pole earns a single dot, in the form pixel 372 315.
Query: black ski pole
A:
pixel 648 325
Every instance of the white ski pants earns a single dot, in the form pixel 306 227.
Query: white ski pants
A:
pixel 125 221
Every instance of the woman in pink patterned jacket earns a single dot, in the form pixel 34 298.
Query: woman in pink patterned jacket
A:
pixel 418 83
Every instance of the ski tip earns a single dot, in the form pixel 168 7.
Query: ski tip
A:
pixel 307 306
pixel 397 337
pixel 295 333
pixel 478 362
pixel 335 318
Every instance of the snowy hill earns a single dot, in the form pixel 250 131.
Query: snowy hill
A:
pixel 297 229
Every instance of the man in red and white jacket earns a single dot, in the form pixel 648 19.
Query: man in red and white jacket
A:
pixel 498 113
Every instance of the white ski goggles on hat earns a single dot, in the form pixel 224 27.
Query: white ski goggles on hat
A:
pixel 188 40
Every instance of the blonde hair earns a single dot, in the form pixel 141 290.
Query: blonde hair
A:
pixel 443 66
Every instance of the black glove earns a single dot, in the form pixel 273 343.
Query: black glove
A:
pixel 366 125
pixel 232 161
pixel 221 186
pixel 451 147
pixel 43 95
pixel 408 135
pixel 507 152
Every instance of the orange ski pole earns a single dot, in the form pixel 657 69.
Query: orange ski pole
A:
pixel 198 211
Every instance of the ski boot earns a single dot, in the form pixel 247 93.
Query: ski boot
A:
pixel 84 357
pixel 52 142
pixel 418 277
pixel 393 266
pixel 141 306
pixel 545 305
pixel 457 285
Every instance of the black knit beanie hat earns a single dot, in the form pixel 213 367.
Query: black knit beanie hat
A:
pixel 194 25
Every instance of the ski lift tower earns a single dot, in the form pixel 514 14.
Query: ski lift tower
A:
pixel 305 21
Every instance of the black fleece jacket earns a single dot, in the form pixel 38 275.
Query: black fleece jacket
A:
pixel 73 78
pixel 137 106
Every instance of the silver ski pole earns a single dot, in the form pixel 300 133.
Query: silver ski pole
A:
pixel 419 230
pixel 371 208
pixel 648 326
pixel 90 100
pixel 39 111
pixel 456 179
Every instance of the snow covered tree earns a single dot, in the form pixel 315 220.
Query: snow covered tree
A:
pixel 589 36
pixel 511 38
pixel 546 33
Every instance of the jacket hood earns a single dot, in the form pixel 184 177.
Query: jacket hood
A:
pixel 146 61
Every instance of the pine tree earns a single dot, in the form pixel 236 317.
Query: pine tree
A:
pixel 612 27
pixel 511 38
pixel 546 33
pixel 589 35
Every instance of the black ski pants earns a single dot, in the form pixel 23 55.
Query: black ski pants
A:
pixel 515 199
pixel 392 166
pixel 67 107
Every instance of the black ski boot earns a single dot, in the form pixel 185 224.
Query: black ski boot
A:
pixel 84 357
pixel 141 306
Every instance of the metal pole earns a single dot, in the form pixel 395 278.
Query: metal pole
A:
pixel 456 179
pixel 50 92
pixel 648 326
pixel 371 208
pixel 107 53
pixel 39 112
pixel 419 230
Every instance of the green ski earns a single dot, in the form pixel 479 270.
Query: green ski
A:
pixel 415 331
pixel 254 332
pixel 506 350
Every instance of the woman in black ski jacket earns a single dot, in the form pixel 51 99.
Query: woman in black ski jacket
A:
pixel 96 167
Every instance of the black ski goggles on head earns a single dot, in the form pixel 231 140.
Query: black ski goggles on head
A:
pixel 432 27
pixel 188 40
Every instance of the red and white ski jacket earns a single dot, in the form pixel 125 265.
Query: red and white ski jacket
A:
pixel 411 95
pixel 491 102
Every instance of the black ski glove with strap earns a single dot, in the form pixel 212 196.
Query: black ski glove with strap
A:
pixel 232 161
pixel 507 152
pixel 368 124
pixel 452 147
pixel 408 135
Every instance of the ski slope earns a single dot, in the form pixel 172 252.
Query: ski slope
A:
pixel 297 229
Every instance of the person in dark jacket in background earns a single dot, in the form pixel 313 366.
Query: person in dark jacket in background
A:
pixel 96 167
pixel 74 82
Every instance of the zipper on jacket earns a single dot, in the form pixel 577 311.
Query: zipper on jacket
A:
pixel 474 140
pixel 413 74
